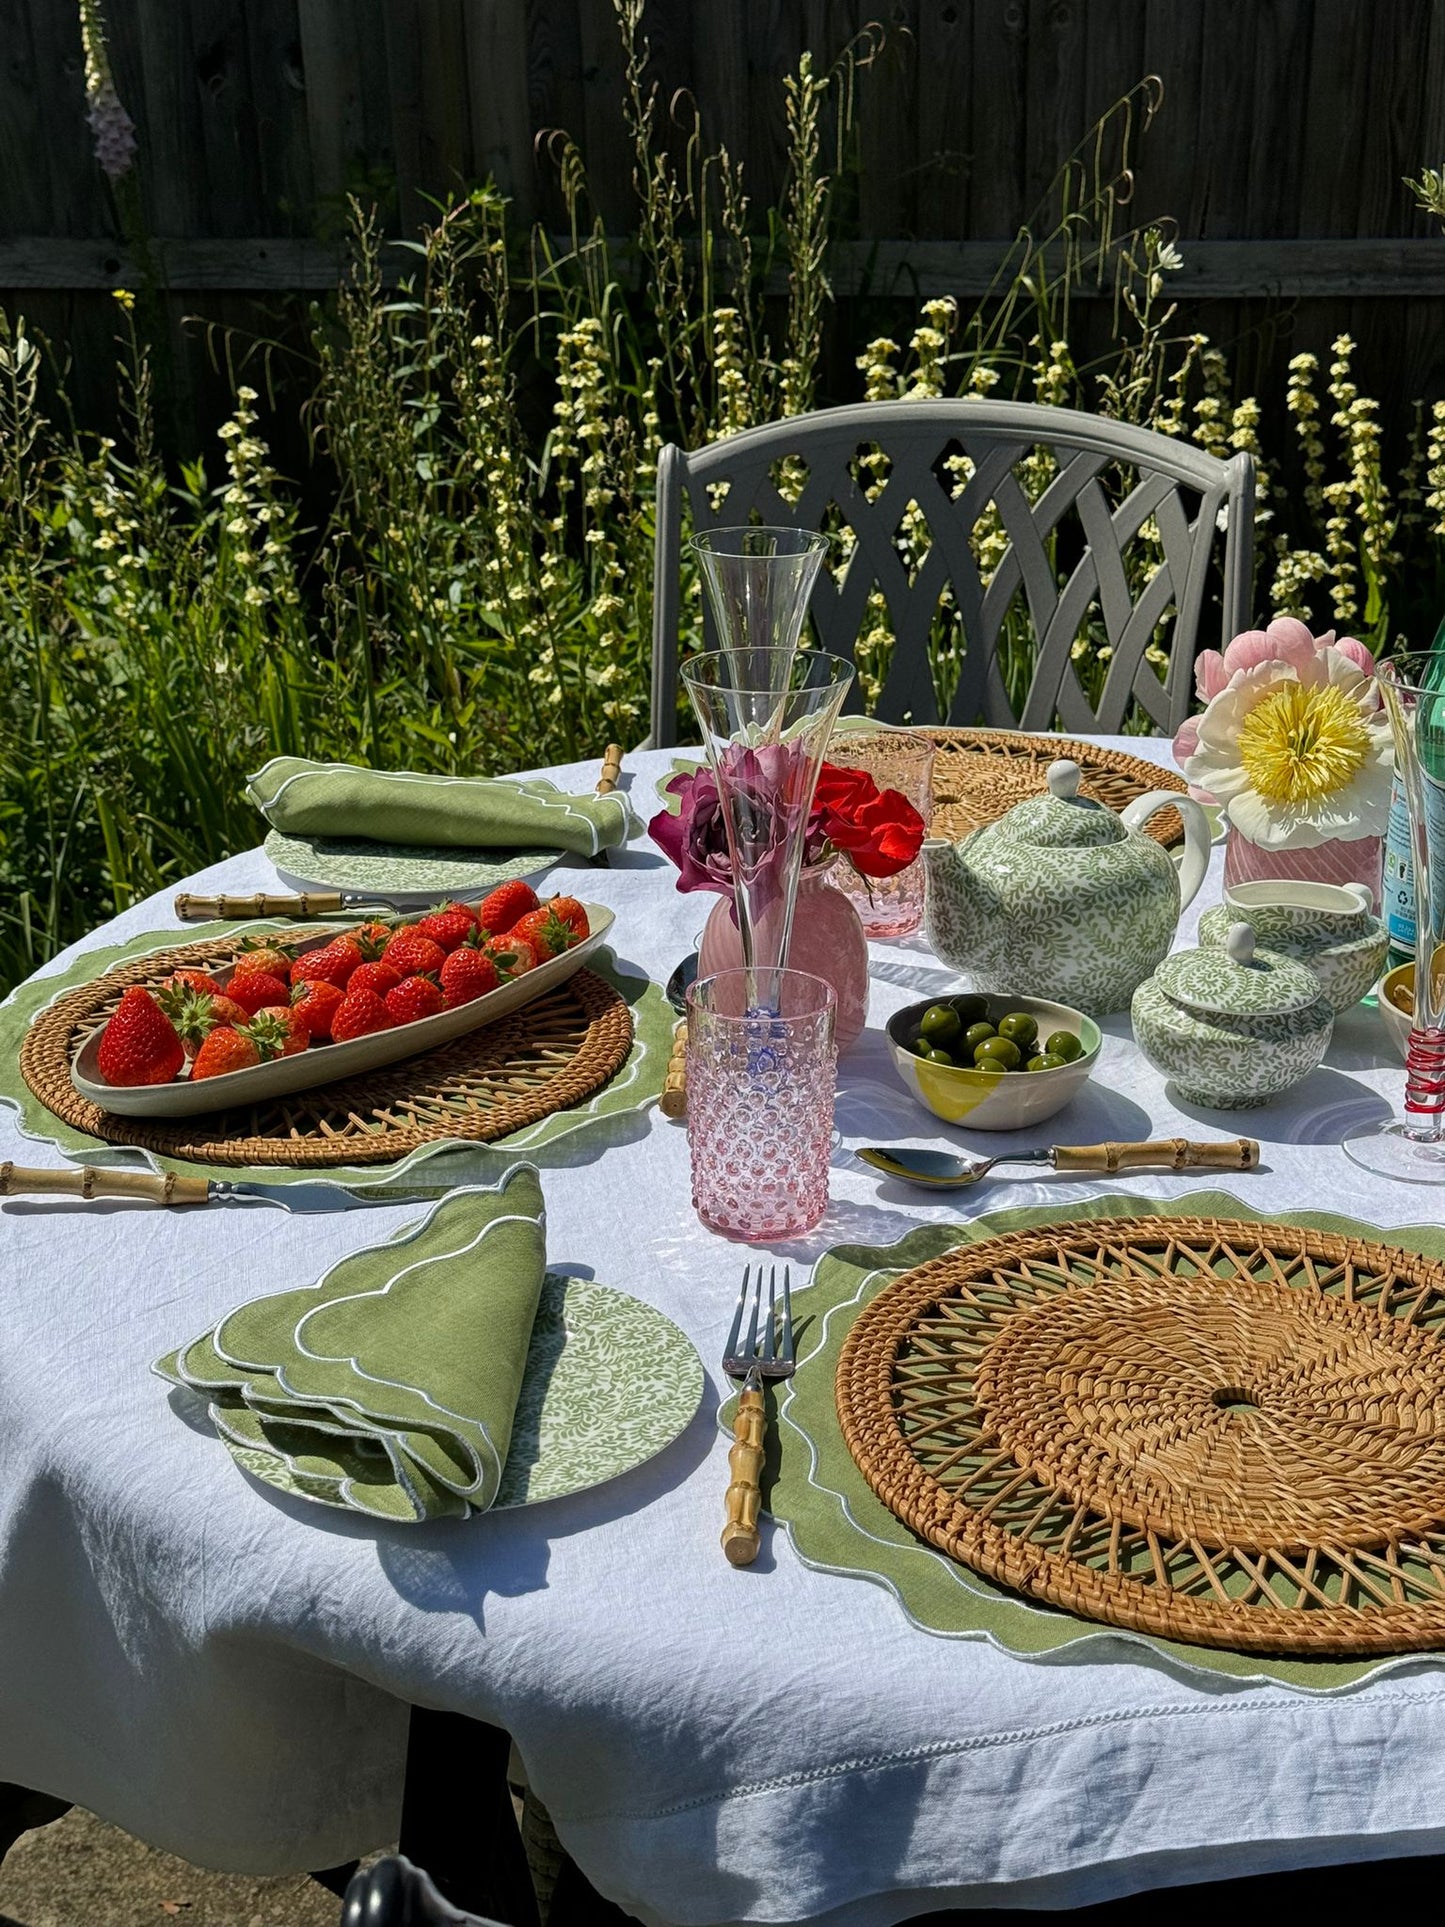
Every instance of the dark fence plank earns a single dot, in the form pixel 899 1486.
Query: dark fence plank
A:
pixel 1369 269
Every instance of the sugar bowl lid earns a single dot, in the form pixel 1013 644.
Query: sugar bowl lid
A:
pixel 1239 980
pixel 1063 819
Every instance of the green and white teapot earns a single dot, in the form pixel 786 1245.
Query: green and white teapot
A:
pixel 1061 898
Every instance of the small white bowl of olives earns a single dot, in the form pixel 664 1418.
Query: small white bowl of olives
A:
pixel 993 1063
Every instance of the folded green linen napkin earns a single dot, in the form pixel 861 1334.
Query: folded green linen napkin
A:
pixel 389 1385
pixel 302 798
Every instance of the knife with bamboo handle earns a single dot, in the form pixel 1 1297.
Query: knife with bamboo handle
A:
pixel 90 1181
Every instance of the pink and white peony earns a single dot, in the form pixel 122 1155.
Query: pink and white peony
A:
pixel 1285 640
pixel 1295 742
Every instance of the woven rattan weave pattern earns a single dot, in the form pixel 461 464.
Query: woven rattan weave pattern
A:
pixel 980 773
pixel 1220 1432
pixel 495 1080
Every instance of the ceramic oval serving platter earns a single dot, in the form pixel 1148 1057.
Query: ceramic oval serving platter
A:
pixel 327 1063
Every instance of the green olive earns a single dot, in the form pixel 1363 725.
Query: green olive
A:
pixel 920 1047
pixel 997 1053
pixel 977 1034
pixel 1020 1027
pixel 940 1024
pixel 969 1009
pixel 1045 1061
pixel 937 1057
pixel 1064 1045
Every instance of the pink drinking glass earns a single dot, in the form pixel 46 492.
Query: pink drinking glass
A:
pixel 896 759
pixel 760 1089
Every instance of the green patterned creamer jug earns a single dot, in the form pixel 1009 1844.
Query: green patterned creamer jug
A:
pixel 1061 898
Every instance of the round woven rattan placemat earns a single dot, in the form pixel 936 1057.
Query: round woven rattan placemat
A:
pixel 1221 1432
pixel 980 773
pixel 500 1078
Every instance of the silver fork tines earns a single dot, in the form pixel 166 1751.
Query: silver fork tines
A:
pixel 768 1351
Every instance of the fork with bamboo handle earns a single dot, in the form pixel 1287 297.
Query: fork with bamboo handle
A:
pixel 309 904
pixel 766 1354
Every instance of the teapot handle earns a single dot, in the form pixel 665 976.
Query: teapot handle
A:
pixel 1197 835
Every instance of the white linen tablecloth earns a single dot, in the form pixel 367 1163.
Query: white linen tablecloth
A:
pixel 226 1673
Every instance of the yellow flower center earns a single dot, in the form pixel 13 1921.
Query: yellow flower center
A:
pixel 1302 741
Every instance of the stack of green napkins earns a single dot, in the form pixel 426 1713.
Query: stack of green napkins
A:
pixel 390 1385
pixel 305 799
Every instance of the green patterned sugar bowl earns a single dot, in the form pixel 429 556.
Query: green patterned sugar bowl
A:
pixel 1232 1025
pixel 1328 926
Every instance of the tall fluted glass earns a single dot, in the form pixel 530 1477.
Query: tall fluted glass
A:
pixel 758 581
pixel 765 741
pixel 1414 1149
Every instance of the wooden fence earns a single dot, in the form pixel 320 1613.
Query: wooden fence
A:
pixel 1285 131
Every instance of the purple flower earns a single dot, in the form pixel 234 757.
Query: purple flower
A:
pixel 696 838
pixel 765 800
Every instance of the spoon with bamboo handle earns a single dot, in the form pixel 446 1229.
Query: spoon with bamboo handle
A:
pixel 943 1171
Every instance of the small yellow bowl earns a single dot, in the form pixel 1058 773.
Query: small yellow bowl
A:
pixel 995 1100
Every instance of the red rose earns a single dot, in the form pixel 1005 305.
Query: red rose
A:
pixel 843 790
pixel 880 836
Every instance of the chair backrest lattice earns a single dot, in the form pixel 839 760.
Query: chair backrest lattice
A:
pixel 949 515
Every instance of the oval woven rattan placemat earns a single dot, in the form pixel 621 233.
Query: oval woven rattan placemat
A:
pixel 1214 1431
pixel 980 773
pixel 500 1078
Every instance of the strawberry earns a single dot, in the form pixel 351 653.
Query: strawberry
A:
pixel 196 1013
pixel 268 958
pixel 414 997
pixel 571 912
pixel 371 939
pixel 467 973
pixel 225 1050
pixel 332 963
pixel 359 1015
pixel 315 1004
pixel 253 988
pixel 449 926
pixel 139 1044
pixel 508 901
pixel 278 1031
pixel 379 977
pixel 411 955
pixel 512 955
pixel 192 980
pixel 548 934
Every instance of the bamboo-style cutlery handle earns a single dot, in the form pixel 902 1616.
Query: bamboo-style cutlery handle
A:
pixel 611 769
pixel 673 1102
pixel 89 1181
pixel 745 1494
pixel 314 903
pixel 1177 1153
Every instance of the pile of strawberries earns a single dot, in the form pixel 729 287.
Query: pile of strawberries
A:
pixel 375 977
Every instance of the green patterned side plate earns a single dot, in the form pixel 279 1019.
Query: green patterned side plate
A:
pixel 337 863
pixel 579 1421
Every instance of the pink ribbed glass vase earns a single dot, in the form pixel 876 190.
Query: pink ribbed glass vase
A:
pixel 1357 861
pixel 827 939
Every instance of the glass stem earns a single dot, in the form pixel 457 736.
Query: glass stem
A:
pixel 1425 1086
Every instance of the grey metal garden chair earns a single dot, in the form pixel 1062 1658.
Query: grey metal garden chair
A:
pixel 1110 480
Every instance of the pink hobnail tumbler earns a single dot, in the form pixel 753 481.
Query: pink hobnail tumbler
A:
pixel 760 1084
pixel 896 759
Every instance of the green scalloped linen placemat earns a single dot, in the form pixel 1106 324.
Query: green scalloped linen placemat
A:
pixel 838 1524
pixel 612 1115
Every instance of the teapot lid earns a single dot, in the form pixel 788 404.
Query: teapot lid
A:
pixel 1239 980
pixel 1063 819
